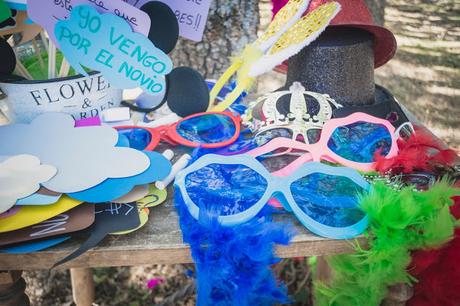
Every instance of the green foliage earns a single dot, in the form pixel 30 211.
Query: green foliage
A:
pixel 399 222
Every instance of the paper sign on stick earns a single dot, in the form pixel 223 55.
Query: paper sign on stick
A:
pixel 21 176
pixel 71 221
pixel 48 12
pixel 154 198
pixel 106 43
pixel 109 218
pixel 191 15
pixel 84 157
pixel 22 216
pixel 34 246
pixel 112 189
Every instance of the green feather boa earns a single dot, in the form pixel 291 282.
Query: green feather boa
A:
pixel 399 221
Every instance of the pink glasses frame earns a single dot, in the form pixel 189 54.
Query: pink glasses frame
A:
pixel 320 151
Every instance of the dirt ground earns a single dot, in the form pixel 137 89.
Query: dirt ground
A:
pixel 424 76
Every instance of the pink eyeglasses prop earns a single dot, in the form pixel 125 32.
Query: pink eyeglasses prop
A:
pixel 352 141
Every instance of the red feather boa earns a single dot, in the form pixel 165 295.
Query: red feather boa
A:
pixel 438 272
pixel 421 152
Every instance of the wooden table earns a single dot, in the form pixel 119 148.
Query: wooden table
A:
pixel 159 242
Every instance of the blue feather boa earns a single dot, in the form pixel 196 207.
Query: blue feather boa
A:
pixel 233 263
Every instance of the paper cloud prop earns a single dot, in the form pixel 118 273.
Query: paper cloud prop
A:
pixel 21 176
pixel 111 189
pixel 106 43
pixel 84 156
pixel 48 12
pixel 34 246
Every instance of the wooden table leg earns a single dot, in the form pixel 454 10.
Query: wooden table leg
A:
pixel 82 286
pixel 398 295
pixel 12 287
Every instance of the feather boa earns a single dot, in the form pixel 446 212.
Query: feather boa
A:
pixel 233 263
pixel 438 272
pixel 400 221
pixel 421 152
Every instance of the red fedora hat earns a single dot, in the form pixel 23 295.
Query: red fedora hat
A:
pixel 355 13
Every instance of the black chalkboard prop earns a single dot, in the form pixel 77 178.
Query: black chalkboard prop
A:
pixel 164 31
pixel 110 218
pixel 187 92
pixel 7 58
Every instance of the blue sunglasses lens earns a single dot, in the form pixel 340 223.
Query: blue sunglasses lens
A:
pixel 328 199
pixel 137 139
pixel 207 129
pixel 359 141
pixel 225 189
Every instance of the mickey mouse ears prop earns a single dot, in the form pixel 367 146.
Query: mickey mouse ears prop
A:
pixel 188 92
pixel 164 30
pixel 7 58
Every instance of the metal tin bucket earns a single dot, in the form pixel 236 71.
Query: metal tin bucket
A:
pixel 80 96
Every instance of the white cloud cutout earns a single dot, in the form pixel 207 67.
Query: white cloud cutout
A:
pixel 84 156
pixel 21 176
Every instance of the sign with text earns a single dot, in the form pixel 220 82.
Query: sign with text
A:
pixel 106 43
pixel 191 15
pixel 81 97
pixel 48 12
pixel 71 221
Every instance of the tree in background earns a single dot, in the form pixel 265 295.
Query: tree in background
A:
pixel 232 24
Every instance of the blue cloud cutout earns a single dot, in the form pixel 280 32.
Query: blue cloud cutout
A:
pixel 84 156
pixel 112 189
pixel 106 43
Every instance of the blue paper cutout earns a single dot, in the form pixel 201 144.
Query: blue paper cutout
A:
pixel 34 246
pixel 38 199
pixel 111 189
pixel 84 156
pixel 107 43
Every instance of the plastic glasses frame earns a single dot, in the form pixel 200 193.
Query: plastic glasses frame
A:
pixel 320 150
pixel 277 185
pixel 169 134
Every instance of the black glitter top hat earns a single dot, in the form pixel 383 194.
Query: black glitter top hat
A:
pixel 340 63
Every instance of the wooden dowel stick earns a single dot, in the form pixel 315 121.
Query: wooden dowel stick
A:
pixel 22 70
pixel 51 60
pixel 44 40
pixel 38 53
pixel 65 68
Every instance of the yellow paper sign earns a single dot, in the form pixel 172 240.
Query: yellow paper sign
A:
pixel 154 198
pixel 23 216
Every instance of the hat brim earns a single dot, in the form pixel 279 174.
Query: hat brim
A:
pixel 385 44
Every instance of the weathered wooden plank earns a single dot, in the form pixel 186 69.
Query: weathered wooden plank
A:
pixel 159 242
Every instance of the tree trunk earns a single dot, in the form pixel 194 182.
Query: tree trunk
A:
pixel 231 24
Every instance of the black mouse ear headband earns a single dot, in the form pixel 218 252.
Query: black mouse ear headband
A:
pixel 164 29
pixel 7 58
pixel 186 90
